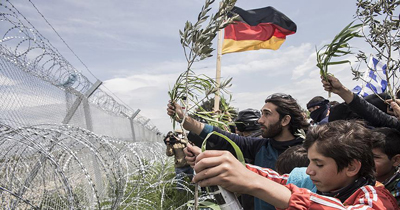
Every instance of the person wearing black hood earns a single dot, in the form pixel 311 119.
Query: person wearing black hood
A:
pixel 319 109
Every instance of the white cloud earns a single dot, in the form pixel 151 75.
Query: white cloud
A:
pixel 307 65
pixel 133 46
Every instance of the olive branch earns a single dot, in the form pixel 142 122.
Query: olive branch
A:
pixel 382 32
pixel 222 118
pixel 197 45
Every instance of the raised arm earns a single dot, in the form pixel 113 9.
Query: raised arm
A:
pixel 360 106
pixel 176 111
pixel 215 167
pixel 335 86
pixel 221 168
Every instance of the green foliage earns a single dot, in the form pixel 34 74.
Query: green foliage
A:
pixel 155 188
pixel 238 152
pixel 199 86
pixel 197 45
pixel 222 119
pixel 196 41
pixel 381 31
pixel 337 48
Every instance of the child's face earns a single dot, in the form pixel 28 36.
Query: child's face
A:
pixel 323 172
pixel 384 166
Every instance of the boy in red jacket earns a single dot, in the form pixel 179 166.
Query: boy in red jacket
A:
pixel 341 167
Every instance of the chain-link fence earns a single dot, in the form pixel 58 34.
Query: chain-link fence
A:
pixel 39 86
pixel 64 142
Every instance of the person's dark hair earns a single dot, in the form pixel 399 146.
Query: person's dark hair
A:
pixel 344 141
pixel 378 139
pixel 315 100
pixel 247 120
pixel 286 105
pixel 295 156
pixel 387 139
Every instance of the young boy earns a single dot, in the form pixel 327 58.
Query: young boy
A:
pixel 387 159
pixel 341 167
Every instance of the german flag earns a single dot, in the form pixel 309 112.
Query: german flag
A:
pixel 264 28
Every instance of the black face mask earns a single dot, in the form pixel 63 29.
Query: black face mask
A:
pixel 320 113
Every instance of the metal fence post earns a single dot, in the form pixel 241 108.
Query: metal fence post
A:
pixel 132 125
pixel 89 125
pixel 147 121
pixel 78 101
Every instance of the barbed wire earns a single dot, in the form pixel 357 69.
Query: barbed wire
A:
pixel 52 166
pixel 73 52
pixel 24 46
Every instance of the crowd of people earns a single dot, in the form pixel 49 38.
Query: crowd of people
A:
pixel 346 156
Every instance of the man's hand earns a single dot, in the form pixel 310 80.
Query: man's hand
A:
pixel 175 111
pixel 191 152
pixel 215 167
pixel 333 85
pixel 396 108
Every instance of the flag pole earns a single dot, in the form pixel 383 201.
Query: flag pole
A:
pixel 218 72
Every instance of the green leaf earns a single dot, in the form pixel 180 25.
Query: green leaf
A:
pixel 337 62
pixel 238 152
pixel 337 48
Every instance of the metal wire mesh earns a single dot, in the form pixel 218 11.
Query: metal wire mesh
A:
pixel 62 144
pixel 39 85
pixel 64 167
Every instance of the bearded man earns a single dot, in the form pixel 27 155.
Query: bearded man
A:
pixel 280 122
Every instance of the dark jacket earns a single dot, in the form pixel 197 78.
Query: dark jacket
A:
pixel 374 116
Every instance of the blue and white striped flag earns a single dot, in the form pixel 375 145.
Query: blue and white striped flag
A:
pixel 375 79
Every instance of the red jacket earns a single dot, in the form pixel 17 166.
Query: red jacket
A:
pixel 366 197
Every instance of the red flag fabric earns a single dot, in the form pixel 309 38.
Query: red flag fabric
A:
pixel 264 28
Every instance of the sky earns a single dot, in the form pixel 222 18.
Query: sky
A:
pixel 133 46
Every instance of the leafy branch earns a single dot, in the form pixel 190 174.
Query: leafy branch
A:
pixel 221 119
pixel 197 41
pixel 337 48
pixel 197 45
pixel 381 22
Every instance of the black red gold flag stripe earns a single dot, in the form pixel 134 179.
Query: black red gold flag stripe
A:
pixel 264 28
